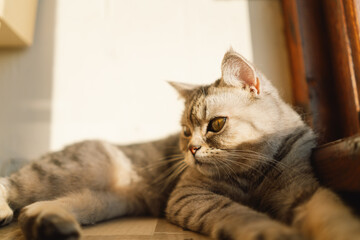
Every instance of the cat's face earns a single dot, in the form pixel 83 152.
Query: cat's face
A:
pixel 215 121
pixel 219 118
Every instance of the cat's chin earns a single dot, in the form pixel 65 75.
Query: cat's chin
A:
pixel 208 172
pixel 206 169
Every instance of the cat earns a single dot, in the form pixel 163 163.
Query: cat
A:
pixel 240 169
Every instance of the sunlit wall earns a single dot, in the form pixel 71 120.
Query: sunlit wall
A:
pixel 98 68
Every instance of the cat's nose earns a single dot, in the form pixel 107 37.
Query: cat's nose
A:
pixel 194 148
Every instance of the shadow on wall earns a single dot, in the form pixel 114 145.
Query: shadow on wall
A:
pixel 25 94
pixel 269 44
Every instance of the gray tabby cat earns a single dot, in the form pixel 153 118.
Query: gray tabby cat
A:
pixel 242 172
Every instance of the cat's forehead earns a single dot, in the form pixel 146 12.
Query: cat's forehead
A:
pixel 195 107
pixel 210 102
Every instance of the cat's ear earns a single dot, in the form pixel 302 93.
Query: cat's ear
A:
pixel 237 71
pixel 184 89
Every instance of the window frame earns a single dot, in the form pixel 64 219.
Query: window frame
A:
pixel 323 39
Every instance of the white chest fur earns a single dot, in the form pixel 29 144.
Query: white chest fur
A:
pixel 123 170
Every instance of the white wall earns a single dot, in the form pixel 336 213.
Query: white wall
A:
pixel 98 68
pixel 112 60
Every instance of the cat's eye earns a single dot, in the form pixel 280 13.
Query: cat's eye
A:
pixel 186 131
pixel 216 124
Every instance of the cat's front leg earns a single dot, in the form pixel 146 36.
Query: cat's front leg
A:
pixel 61 218
pixel 325 217
pixel 195 208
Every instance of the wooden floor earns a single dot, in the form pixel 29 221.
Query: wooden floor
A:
pixel 124 229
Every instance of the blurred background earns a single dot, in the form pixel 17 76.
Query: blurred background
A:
pixel 97 69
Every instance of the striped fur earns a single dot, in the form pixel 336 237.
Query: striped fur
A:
pixel 251 180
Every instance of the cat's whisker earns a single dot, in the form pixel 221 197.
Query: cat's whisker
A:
pixel 170 174
pixel 250 167
pixel 261 161
pixel 269 180
pixel 278 165
pixel 171 156
pixel 258 157
pixel 168 159
pixel 228 167
pixel 257 160
pixel 282 169
pixel 246 157
pixel 241 164
pixel 166 173
pixel 218 170
pixel 164 162
pixel 221 163
pixel 246 151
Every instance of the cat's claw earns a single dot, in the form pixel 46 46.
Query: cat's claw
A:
pixel 6 214
pixel 55 227
pixel 41 222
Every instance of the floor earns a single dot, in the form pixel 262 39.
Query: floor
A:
pixel 124 229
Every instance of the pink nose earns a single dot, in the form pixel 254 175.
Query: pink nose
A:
pixel 193 148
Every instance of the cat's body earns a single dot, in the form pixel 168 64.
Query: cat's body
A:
pixel 136 170
pixel 242 172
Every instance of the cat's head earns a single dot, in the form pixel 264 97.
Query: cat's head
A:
pixel 236 113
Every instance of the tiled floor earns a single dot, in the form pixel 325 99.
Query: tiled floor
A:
pixel 124 229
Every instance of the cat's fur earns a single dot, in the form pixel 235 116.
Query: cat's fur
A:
pixel 250 180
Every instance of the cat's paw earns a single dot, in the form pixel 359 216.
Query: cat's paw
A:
pixel 6 214
pixel 40 221
pixel 258 232
pixel 276 234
